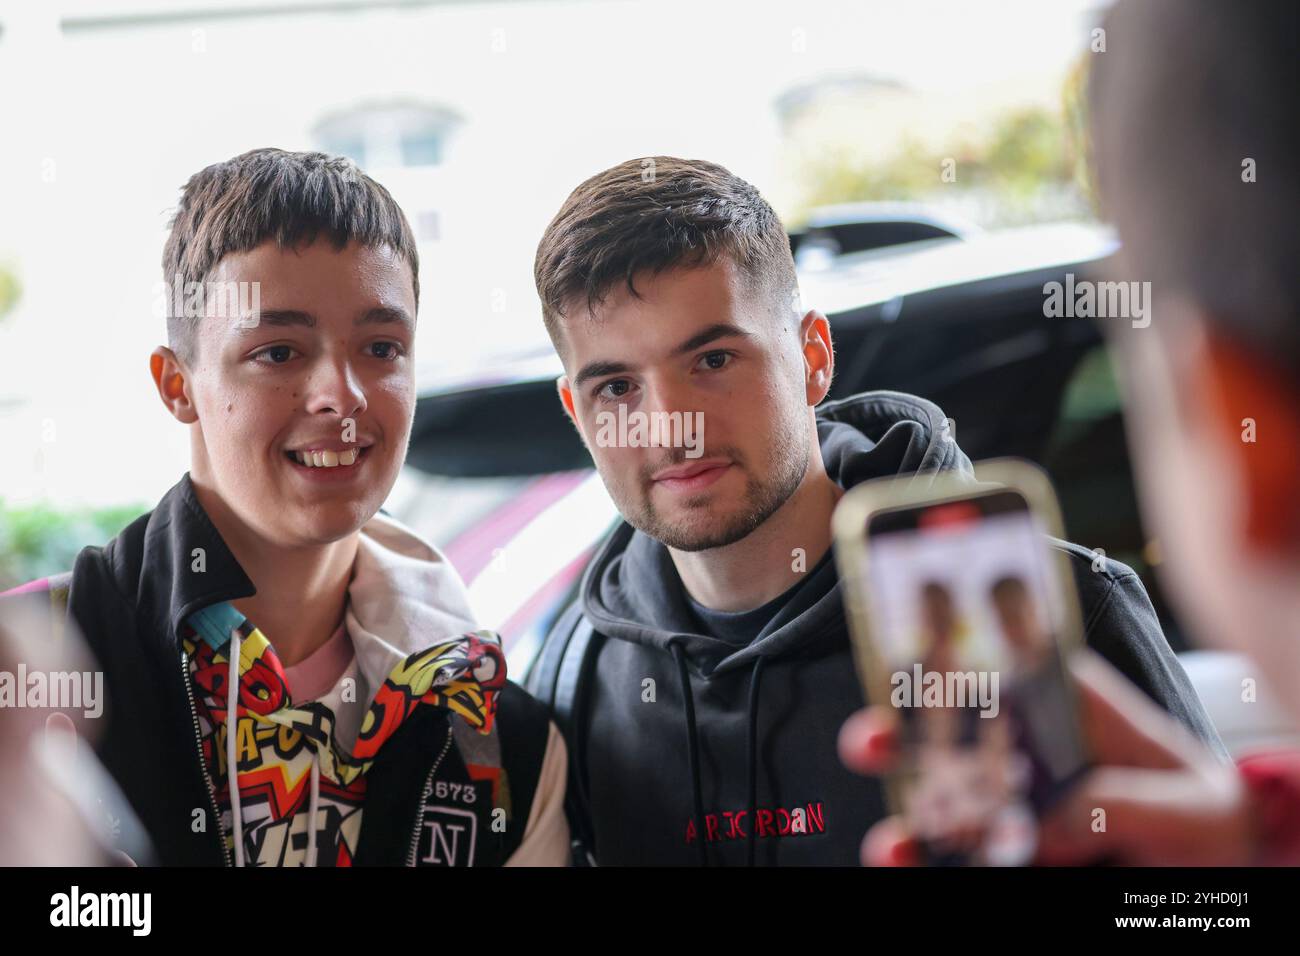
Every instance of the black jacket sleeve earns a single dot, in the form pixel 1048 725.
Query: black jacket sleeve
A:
pixel 1121 625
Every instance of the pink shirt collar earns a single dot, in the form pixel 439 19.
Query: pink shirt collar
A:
pixel 315 676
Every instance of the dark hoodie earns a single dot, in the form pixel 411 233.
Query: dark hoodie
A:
pixel 690 733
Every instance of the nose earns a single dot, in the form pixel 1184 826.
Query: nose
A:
pixel 334 388
pixel 665 395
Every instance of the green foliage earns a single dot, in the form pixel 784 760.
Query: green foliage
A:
pixel 10 290
pixel 837 175
pixel 39 540
pixel 1024 153
pixel 1074 102
pixel 1028 164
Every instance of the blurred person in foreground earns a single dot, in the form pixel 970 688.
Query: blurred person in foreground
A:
pixel 58 807
pixel 1194 133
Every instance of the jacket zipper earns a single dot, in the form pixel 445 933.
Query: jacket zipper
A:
pixel 198 740
pixel 424 796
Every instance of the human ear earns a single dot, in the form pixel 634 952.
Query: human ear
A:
pixel 565 392
pixel 818 355
pixel 171 379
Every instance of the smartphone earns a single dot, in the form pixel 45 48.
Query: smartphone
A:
pixel 962 616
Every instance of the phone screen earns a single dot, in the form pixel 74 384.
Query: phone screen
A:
pixel 967 616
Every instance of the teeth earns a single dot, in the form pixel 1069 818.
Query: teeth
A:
pixel 327 459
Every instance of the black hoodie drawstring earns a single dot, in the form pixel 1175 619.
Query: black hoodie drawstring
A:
pixel 693 751
pixel 752 734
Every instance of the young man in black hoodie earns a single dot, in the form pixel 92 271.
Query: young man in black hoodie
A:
pixel 708 645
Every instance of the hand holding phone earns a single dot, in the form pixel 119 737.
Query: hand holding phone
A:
pixel 961 614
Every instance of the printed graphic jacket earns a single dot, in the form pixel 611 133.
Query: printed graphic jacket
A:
pixel 422 753
pixel 741 740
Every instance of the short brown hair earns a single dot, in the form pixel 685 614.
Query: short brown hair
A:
pixel 655 214
pixel 292 198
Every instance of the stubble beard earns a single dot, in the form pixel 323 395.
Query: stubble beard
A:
pixel 762 498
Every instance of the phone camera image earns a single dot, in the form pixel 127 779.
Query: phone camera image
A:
pixel 967 616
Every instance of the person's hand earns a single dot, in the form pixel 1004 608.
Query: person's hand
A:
pixel 1156 796
pixel 60 732
pixel 868 743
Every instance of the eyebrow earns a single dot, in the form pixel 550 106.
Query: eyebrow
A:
pixel 282 317
pixel 383 314
pixel 380 315
pixel 719 330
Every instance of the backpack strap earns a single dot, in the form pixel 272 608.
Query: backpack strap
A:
pixel 545 667
pixel 561 678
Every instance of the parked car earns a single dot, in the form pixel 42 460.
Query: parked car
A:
pixel 833 231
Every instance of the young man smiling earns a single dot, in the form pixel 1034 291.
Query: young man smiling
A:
pixel 374 725
pixel 705 668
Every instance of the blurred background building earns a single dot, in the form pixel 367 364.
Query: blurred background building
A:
pixel 479 117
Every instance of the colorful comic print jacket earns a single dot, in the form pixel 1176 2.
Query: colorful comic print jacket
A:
pixel 423 754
